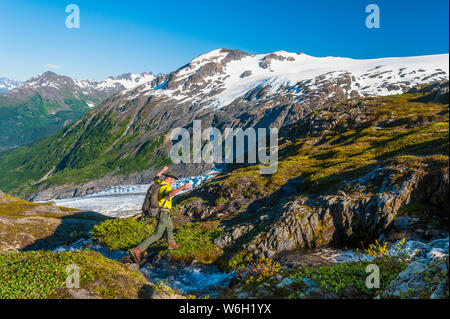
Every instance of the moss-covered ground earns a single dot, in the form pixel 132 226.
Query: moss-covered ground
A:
pixel 196 240
pixel 39 274
pixel 12 207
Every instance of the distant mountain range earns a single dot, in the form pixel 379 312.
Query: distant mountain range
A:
pixel 124 139
pixel 44 103
pixel 7 85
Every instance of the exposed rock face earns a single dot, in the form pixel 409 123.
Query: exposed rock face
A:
pixel 437 92
pixel 345 219
pixel 421 279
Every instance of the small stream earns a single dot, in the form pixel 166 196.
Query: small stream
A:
pixel 199 280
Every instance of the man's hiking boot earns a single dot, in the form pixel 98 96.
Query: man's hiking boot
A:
pixel 173 246
pixel 136 255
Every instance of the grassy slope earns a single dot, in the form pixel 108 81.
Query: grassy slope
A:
pixel 398 130
pixel 39 274
pixel 346 280
pixel 12 207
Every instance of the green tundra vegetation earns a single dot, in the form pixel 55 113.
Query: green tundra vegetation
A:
pixel 122 233
pixel 39 274
pixel 196 240
pixel 345 280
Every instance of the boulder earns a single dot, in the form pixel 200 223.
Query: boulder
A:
pixel 425 278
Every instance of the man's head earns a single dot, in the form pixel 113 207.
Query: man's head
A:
pixel 170 177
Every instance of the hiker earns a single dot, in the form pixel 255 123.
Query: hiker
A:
pixel 158 203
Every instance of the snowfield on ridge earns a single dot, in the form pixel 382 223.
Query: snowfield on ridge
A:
pixel 226 78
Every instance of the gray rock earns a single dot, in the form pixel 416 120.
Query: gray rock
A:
pixel 285 282
pixel 402 223
pixel 309 282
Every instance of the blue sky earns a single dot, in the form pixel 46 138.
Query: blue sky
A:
pixel 159 36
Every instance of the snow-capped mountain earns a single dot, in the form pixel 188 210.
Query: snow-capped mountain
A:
pixel 115 84
pixel 48 101
pixel 232 88
pixel 7 85
pixel 221 77
pixel 52 82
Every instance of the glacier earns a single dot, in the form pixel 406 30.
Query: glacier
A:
pixel 124 200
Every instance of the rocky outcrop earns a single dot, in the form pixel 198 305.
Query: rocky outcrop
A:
pixel 29 226
pixel 345 219
pixel 351 209
pixel 369 208
pixel 436 92
pixel 421 279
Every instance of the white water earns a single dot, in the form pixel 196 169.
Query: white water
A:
pixel 200 280
pixel 208 280
pixel 415 250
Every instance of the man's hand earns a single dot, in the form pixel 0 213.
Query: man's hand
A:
pixel 187 185
pixel 165 168
pixel 176 191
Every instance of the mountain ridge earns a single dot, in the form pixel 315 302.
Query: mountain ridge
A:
pixel 7 85
pixel 48 101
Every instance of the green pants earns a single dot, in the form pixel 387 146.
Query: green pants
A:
pixel 164 224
